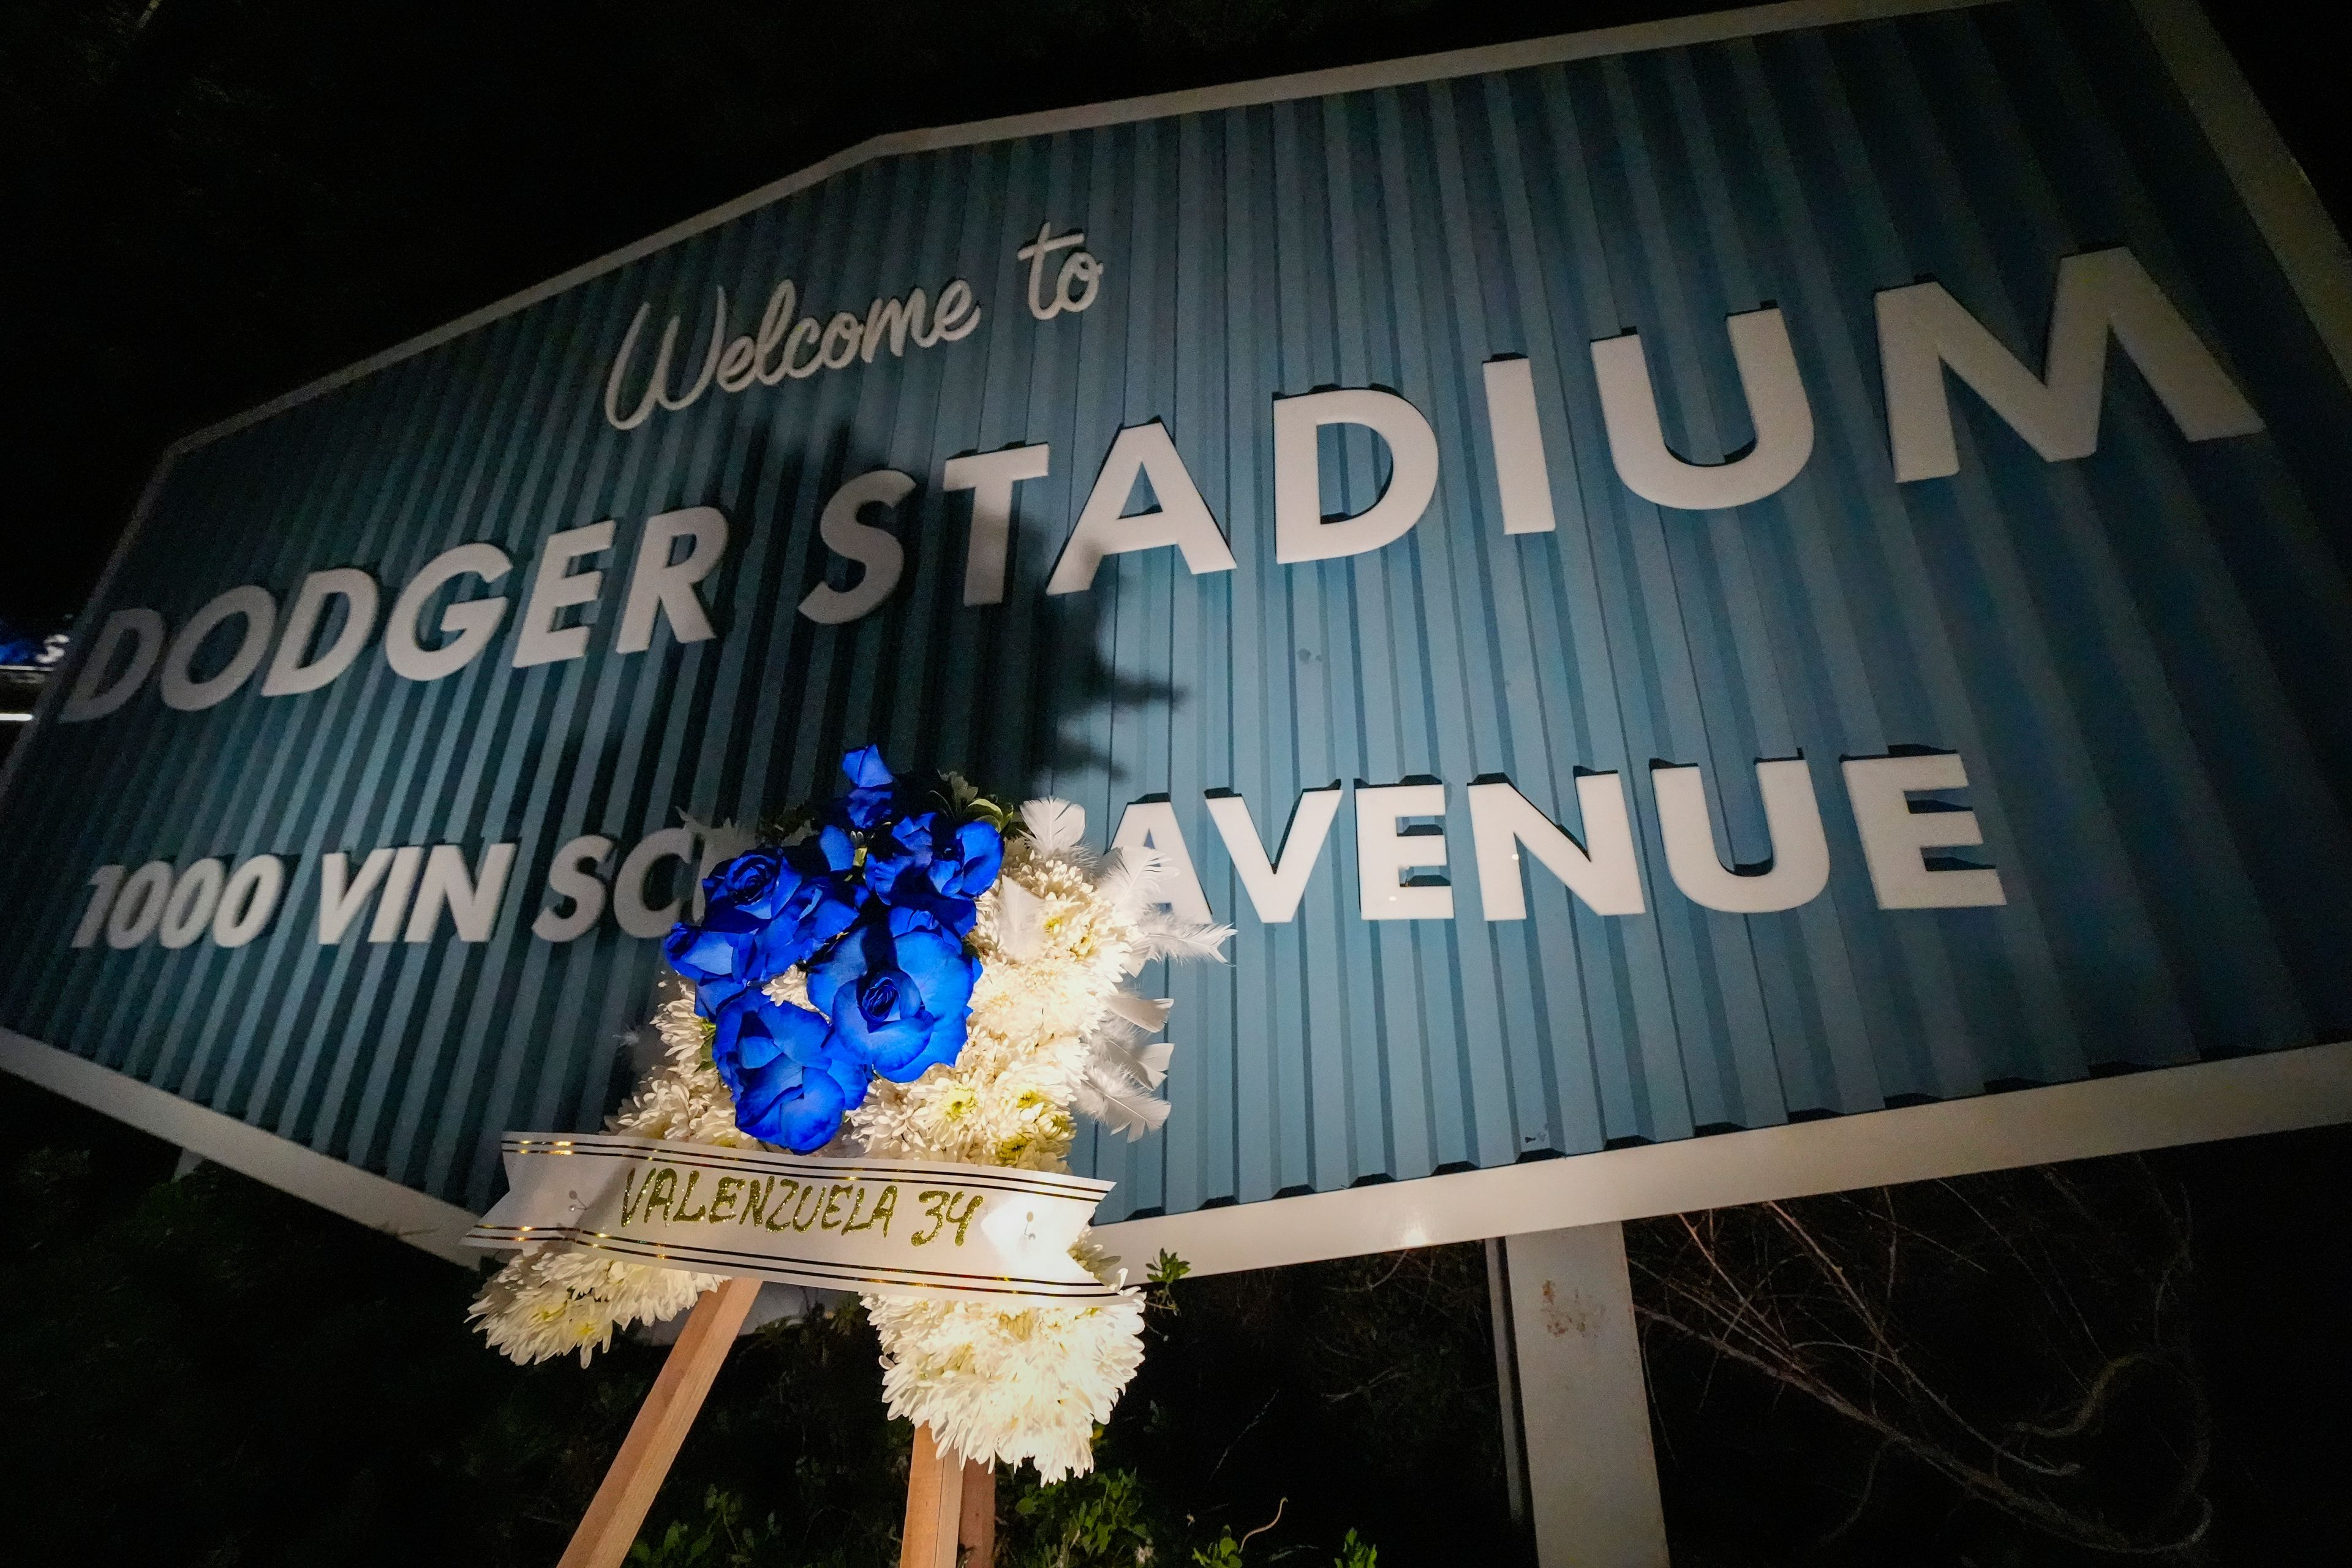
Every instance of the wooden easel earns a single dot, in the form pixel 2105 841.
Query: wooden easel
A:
pixel 950 1502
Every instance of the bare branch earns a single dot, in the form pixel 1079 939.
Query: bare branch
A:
pixel 1816 1295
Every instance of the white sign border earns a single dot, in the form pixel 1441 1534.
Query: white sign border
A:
pixel 2274 1092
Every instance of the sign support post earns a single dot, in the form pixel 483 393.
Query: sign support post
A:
pixel 1592 1475
pixel 1507 1384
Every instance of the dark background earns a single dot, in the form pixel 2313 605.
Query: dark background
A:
pixel 211 201
pixel 201 1370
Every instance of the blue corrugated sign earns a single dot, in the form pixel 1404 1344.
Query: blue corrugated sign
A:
pixel 1659 588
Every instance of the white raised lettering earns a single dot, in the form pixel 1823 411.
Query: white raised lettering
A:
pixel 1603 871
pixel 1922 329
pixel 1776 406
pixel 1798 868
pixel 1181 519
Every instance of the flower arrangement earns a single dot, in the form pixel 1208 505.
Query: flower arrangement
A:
pixel 909 970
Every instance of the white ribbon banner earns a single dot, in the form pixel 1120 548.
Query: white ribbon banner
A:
pixel 901 1227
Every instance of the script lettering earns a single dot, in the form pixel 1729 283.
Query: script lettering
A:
pixel 941 1204
pixel 663 1183
pixel 655 1200
pixel 811 1205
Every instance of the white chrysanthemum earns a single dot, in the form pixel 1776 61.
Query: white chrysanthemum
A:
pixel 683 1097
pixel 554 1299
pixel 1002 1103
pixel 999 1383
pixel 551 1301
pixel 1050 960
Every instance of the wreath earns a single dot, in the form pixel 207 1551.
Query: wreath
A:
pixel 908 970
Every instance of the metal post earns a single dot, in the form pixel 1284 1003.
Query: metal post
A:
pixel 1592 1477
pixel 1506 1382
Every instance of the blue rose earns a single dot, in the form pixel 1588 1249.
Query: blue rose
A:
pixel 750 889
pixel 789 1086
pixel 871 789
pixel 763 911
pixel 898 990
pixel 739 898
pixel 968 866
pixel 719 963
pixel 915 866
pixel 822 905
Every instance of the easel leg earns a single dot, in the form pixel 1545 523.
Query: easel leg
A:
pixel 934 1504
pixel 611 1524
pixel 976 1529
